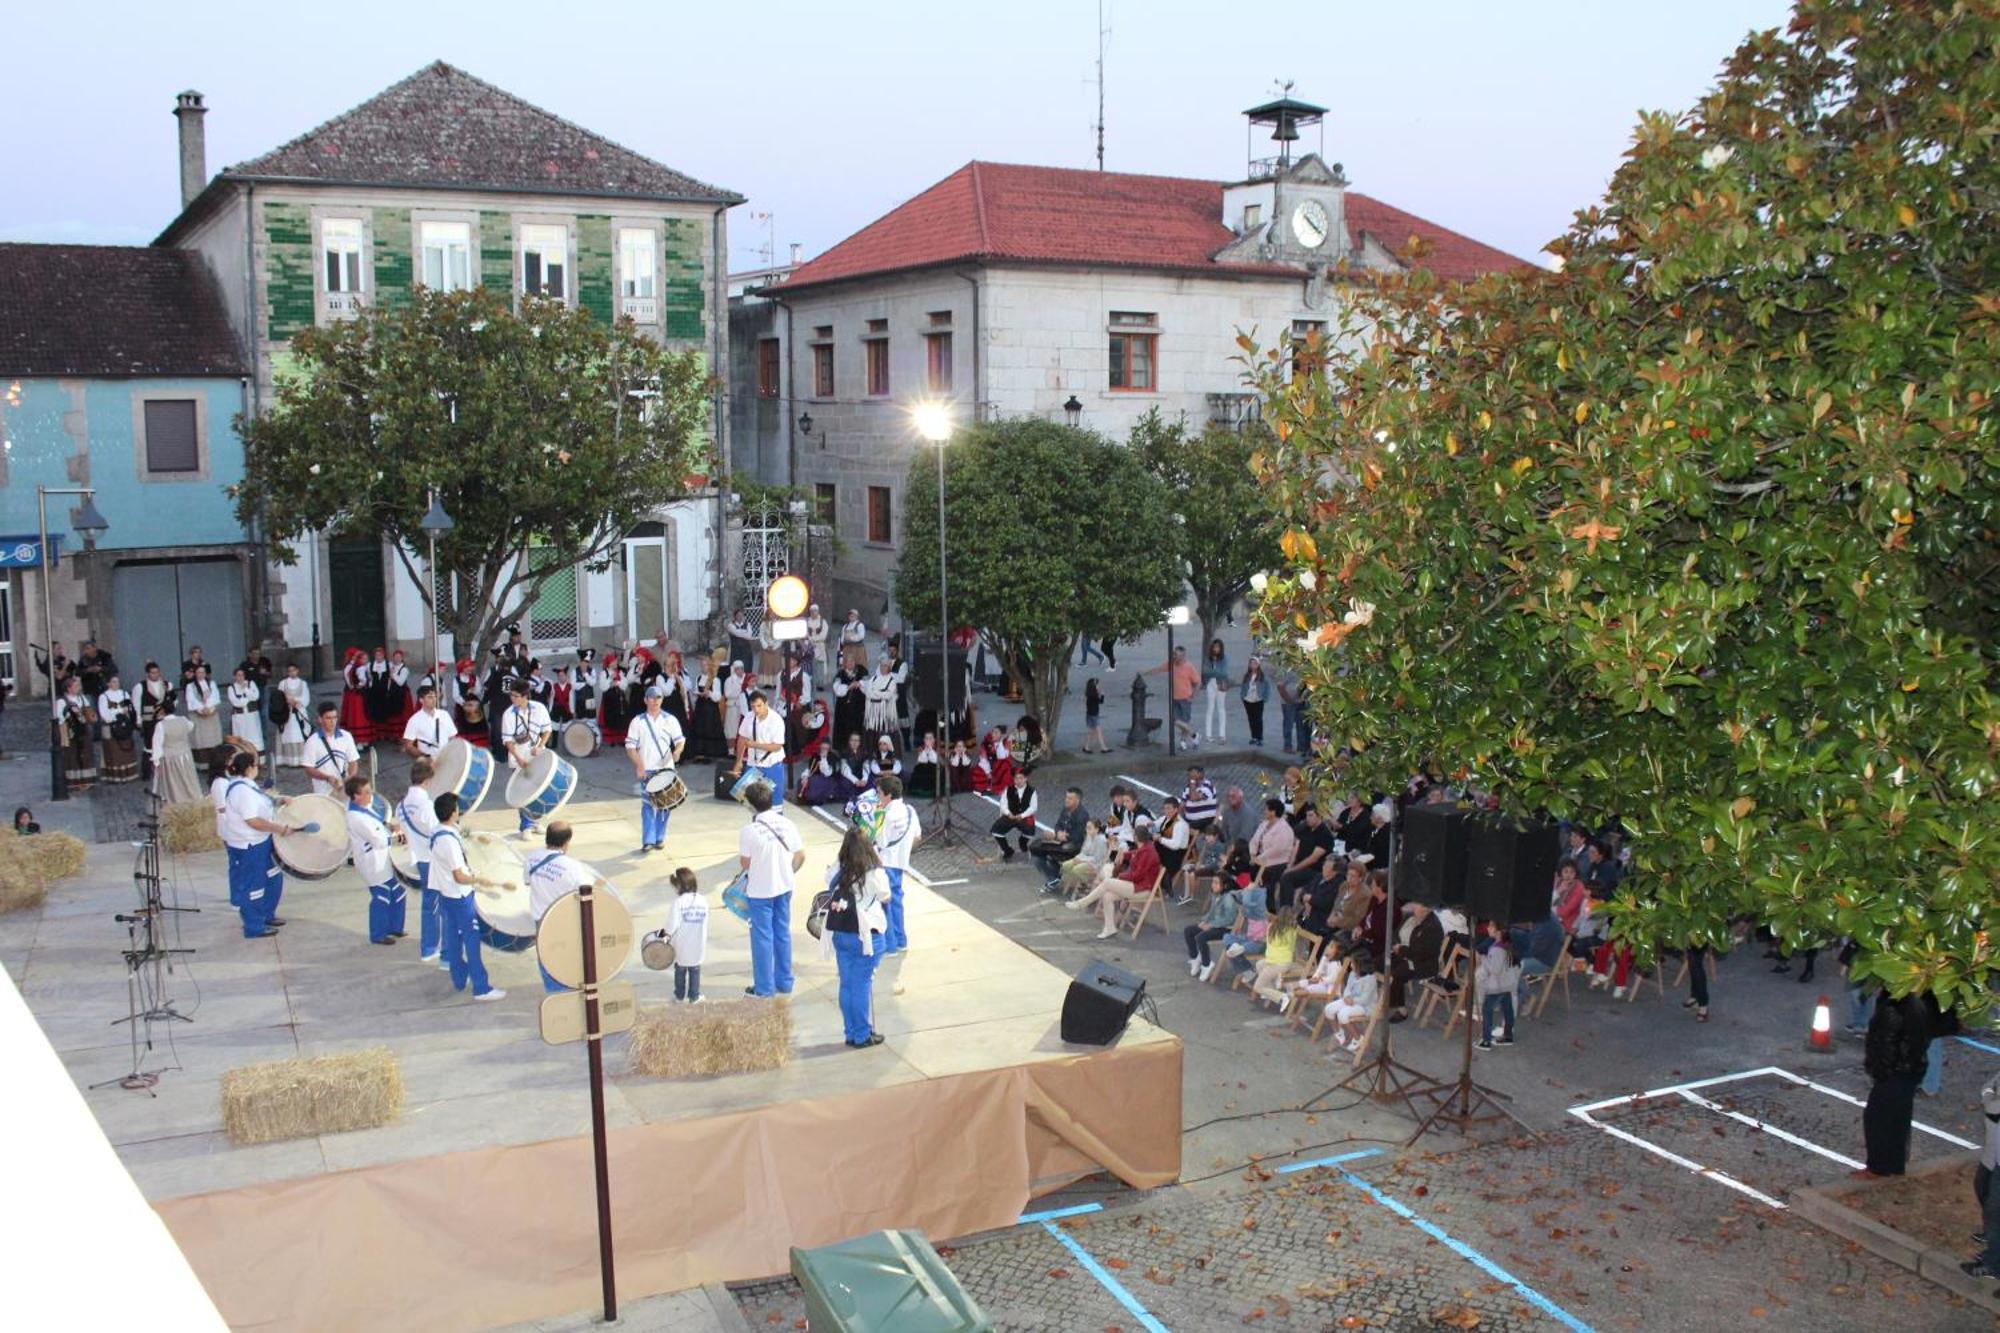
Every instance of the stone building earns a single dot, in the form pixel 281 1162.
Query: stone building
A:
pixel 1010 290
pixel 450 182
pixel 119 371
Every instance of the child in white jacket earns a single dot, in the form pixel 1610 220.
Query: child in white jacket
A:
pixel 687 931
pixel 1358 997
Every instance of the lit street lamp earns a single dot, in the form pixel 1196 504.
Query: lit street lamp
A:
pixel 435 522
pixel 933 422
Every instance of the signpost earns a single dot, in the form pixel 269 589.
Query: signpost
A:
pixel 583 941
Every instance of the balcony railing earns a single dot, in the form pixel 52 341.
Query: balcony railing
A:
pixel 1232 411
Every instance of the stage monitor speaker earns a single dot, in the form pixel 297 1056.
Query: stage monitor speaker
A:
pixel 1510 869
pixel 1433 847
pixel 927 681
pixel 1100 1003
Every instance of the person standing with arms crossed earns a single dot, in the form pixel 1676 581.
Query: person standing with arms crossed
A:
pixel 455 883
pixel 896 837
pixel 761 744
pixel 526 728
pixel 770 851
pixel 655 742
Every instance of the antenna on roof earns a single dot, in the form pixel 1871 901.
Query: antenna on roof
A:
pixel 769 249
pixel 1102 33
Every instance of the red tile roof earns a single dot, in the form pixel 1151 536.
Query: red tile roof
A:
pixel 1001 212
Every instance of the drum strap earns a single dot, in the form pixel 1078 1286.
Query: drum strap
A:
pixel 234 783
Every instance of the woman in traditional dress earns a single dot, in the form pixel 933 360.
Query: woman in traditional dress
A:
pixel 120 718
pixel 614 710
pixel 174 778
pixel 401 702
pixel 818 630
pixel 583 701
pixel 378 700
pixel 879 694
pixel 850 705
pixel 469 712
pixel 853 768
pixel 638 680
pixel 1027 742
pixel 297 725
pixel 927 769
pixel 886 762
pixel 246 720
pixel 156 700
pixel 960 767
pixel 562 697
pixel 706 738
pixel 993 766
pixel 77 720
pixel 673 680
pixel 854 643
pixel 203 702
pixel 353 697
pixel 824 782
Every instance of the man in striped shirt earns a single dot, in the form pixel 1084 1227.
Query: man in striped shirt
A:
pixel 1198 800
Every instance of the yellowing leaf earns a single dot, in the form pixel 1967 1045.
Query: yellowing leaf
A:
pixel 1821 406
pixel 1298 546
pixel 1594 532
pixel 1906 215
pixel 1451 444
pixel 1582 413
pixel 1486 421
pixel 1562 358
pixel 1521 465
pixel 1742 806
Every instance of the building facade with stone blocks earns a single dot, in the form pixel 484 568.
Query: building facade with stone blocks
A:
pixel 448 182
pixel 120 373
pixel 1007 290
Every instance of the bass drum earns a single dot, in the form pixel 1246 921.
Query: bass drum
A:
pixel 462 768
pixel 311 856
pixel 403 860
pixel 579 738
pixel 506 921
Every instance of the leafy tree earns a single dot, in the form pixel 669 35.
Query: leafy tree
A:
pixel 1053 531
pixel 1226 525
pixel 1700 530
pixel 567 433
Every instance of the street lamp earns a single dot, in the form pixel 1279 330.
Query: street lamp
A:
pixel 1176 615
pixel 933 422
pixel 434 522
pixel 87 523
pixel 1073 410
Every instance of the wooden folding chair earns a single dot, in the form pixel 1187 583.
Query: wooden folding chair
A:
pixel 1146 903
pixel 1545 984
pixel 1374 1023
pixel 1431 993
pixel 1638 979
pixel 1317 1004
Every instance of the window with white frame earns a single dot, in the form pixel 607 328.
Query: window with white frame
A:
pixel 545 260
pixel 445 255
pixel 340 247
pixel 638 274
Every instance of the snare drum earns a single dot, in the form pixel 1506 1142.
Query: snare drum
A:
pixel 312 856
pixel 666 790
pixel 506 921
pixel 543 787
pixel 463 769
pixel 403 860
pixel 657 951
pixel 736 896
pixel 580 738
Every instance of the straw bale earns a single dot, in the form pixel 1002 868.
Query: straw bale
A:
pixel 189 826
pixel 724 1037
pixel 296 1099
pixel 60 855
pixel 22 881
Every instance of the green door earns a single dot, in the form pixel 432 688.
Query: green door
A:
pixel 354 577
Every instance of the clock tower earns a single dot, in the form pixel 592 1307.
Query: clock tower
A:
pixel 1287 209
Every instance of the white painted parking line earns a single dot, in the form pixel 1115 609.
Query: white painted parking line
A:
pixel 1720 1177
pixel 1773 1131
pixel 1932 1130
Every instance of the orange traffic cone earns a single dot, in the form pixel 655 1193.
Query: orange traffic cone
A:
pixel 1820 1039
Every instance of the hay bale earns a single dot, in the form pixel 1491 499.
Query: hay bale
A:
pixel 296 1099
pixel 22 881
pixel 187 827
pixel 725 1037
pixel 59 854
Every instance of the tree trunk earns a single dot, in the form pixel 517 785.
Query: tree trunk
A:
pixel 1043 673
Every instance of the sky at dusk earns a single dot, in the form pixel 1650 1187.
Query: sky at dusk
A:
pixel 1497 120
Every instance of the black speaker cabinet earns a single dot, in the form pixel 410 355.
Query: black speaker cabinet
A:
pixel 1433 847
pixel 1510 869
pixel 927 681
pixel 1100 1003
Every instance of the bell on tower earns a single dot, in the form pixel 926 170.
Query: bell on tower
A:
pixel 1286 116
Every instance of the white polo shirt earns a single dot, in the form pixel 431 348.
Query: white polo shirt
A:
pixel 687 928
pixel 241 802
pixel 770 730
pixel 898 835
pixel 551 874
pixel 430 732
pixel 653 739
pixel 447 856
pixel 332 756
pixel 769 841
pixel 524 727
pixel 368 844
pixel 419 817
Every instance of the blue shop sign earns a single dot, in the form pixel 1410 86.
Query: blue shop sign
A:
pixel 25 552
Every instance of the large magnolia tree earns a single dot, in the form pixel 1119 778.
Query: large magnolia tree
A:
pixel 546 434
pixel 1700 531
pixel 1052 532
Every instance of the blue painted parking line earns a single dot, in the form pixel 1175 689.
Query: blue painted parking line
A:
pixel 1108 1282
pixel 1290 1167
pixel 1054 1213
pixel 1981 1045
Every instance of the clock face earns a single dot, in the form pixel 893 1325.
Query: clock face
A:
pixel 1309 224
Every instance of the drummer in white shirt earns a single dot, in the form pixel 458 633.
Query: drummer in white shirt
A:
pixel 368 838
pixel 895 839
pixel 455 883
pixel 331 755
pixel 762 733
pixel 770 851
pixel 255 881
pixel 526 728
pixel 419 820
pixel 551 874
pixel 430 728
pixel 654 740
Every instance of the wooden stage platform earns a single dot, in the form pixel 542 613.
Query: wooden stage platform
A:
pixel 475 1208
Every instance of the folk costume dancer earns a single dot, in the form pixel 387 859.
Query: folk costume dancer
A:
pixel 895 838
pixel 655 742
pixel 120 717
pixel 368 840
pixel 455 884
pixel 296 729
pixel 156 701
pixel 203 701
pixel 1020 806
pixel 246 719
pixel 429 729
pixel 255 882
pixel 526 729
pixel 332 757
pixel 79 722
pixel 419 820
pixel 551 874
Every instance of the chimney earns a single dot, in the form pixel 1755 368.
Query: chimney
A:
pixel 189 111
pixel 795 254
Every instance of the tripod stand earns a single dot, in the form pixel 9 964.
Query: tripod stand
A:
pixel 147 961
pixel 1463 1103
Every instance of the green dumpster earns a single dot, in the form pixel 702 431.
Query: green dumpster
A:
pixel 885 1282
